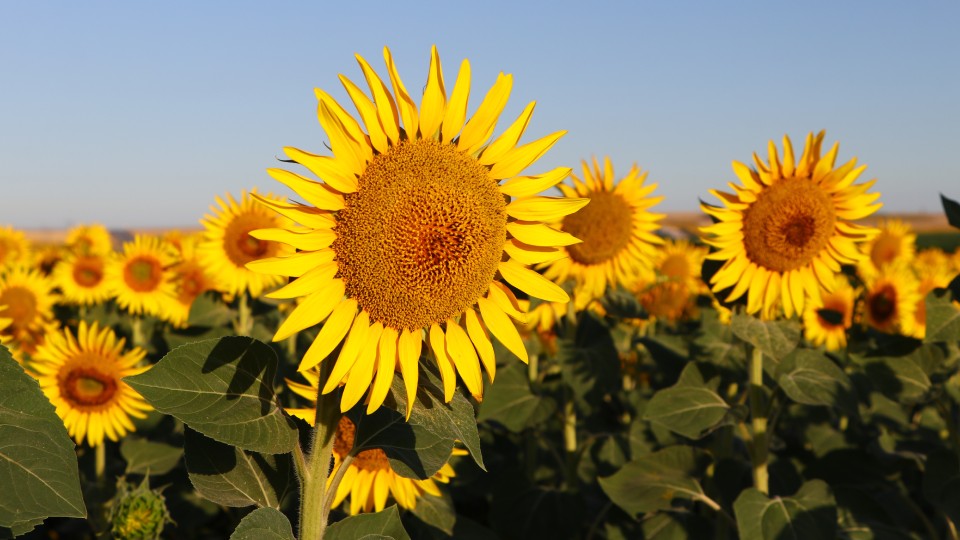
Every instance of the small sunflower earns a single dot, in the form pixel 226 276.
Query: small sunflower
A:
pixel 896 243
pixel 666 299
pixel 821 327
pixel 28 300
pixel 615 230
pixel 229 246
pixel 82 378
pixel 140 277
pixel 191 279
pixel 411 234
pixel 93 239
pixel 787 230
pixel 929 278
pixel 681 261
pixel 932 261
pixel 82 278
pixel 14 247
pixel 891 300
pixel 45 258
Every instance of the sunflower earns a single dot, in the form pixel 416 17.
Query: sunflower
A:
pixel 140 278
pixel 191 278
pixel 93 239
pixel 679 260
pixel 46 258
pixel 28 300
pixel 542 320
pixel 786 232
pixel 666 299
pixel 229 246
pixel 14 247
pixel 929 278
pixel 932 261
pixel 615 229
pixel 820 326
pixel 5 323
pixel 411 233
pixel 82 278
pixel 82 378
pixel 895 243
pixel 891 300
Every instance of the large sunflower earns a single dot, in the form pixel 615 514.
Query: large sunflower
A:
pixel 787 230
pixel 82 278
pixel 82 378
pixel 28 300
pixel 615 229
pixel 229 245
pixel 826 321
pixel 14 247
pixel 191 278
pixel 896 243
pixel 411 233
pixel 93 239
pixel 891 300
pixel 140 277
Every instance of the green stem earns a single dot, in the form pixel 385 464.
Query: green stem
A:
pixel 570 439
pixel 759 420
pixel 532 446
pixel 100 466
pixel 313 517
pixel 244 320
pixel 137 324
pixel 101 462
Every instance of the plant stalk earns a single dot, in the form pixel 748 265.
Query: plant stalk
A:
pixel 243 315
pixel 137 328
pixel 100 453
pixel 759 420
pixel 570 439
pixel 313 519
pixel 532 445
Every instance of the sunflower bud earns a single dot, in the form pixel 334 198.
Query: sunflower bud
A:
pixel 138 514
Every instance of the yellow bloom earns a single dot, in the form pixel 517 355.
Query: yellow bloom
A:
pixel 14 247
pixel 681 261
pixel 140 278
pixel 82 278
pixel 615 230
pixel 929 278
pixel 93 239
pixel 724 314
pixel 786 232
pixel 665 299
pixel 191 278
pixel 28 301
pixel 45 258
pixel 820 330
pixel 410 234
pixel 228 246
pixel 896 243
pixel 81 377
pixel 932 261
pixel 891 300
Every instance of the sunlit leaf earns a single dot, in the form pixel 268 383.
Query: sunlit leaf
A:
pixel 655 481
pixel 145 456
pixel 811 514
pixel 775 338
pixel 383 524
pixel 263 524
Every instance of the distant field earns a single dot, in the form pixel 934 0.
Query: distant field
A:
pixel 947 241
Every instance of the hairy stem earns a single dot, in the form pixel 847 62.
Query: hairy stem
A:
pixel 244 320
pixel 759 420
pixel 313 519
pixel 137 329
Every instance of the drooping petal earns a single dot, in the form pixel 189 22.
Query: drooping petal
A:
pixel 356 340
pixel 409 352
pixel 539 234
pixel 531 282
pixel 448 372
pixel 320 195
pixel 481 342
pixel 313 310
pixel 331 334
pixel 515 161
pixel 525 186
pixel 465 358
pixel 327 168
pixel 294 265
pixel 500 326
pixel 385 368
pixel 361 374
pixel 541 208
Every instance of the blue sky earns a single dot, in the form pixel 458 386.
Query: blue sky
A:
pixel 137 114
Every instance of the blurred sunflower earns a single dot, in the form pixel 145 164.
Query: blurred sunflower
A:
pixel 93 239
pixel 14 247
pixel 410 234
pixel 825 321
pixel 81 377
pixel 932 261
pixel 891 300
pixel 140 277
pixel 895 243
pixel 665 299
pixel 681 261
pixel 82 278
pixel 5 323
pixel 542 320
pixel 614 229
pixel 229 246
pixel 45 258
pixel 28 300
pixel 786 232
pixel 191 279
pixel 929 278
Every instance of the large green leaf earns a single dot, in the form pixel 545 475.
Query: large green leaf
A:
pixel 811 514
pixel 437 511
pixel 383 524
pixel 715 342
pixel 898 377
pixel 38 464
pixel 230 476
pixel 809 377
pixel 264 524
pixel 222 388
pixel 952 209
pixel 145 456
pixel 775 338
pixel 621 303
pixel 943 317
pixel 689 411
pixel 654 481
pixel 510 401
pixel 589 361
pixel 941 482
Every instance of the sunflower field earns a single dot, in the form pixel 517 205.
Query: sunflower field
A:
pixel 428 344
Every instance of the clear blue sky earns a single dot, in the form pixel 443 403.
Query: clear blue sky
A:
pixel 139 113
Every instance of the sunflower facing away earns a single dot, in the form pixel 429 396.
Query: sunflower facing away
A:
pixel 615 229
pixel 14 247
pixel 81 377
pixel 191 279
pixel 28 301
pixel 786 231
pixel 891 299
pixel 826 321
pixel 82 278
pixel 896 243
pixel 229 246
pixel 412 233
pixel 93 239
pixel 140 278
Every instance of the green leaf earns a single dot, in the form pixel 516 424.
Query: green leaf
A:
pixel 222 388
pixel 264 524
pixel 383 524
pixel 952 209
pixel 943 318
pixel 437 511
pixel 653 482
pixel 941 482
pixel 897 377
pixel 715 342
pixel 699 375
pixel 233 477
pixel 621 303
pixel 775 338
pixel 208 310
pixel 689 411
pixel 589 361
pixel 810 378
pixel 522 510
pixel 510 401
pixel 19 528
pixel 661 526
pixel 145 456
pixel 38 464
pixel 811 514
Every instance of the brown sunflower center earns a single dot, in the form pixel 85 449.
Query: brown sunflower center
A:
pixel 88 271
pixel 421 238
pixel 788 225
pixel 885 250
pixel 604 225
pixel 49 260
pixel 667 299
pixel 191 280
pixel 242 248
pixel 675 267
pixel 838 306
pixel 882 303
pixel 87 386
pixel 370 460
pixel 21 305
pixel 143 273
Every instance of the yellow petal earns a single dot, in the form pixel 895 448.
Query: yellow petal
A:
pixel 447 371
pixel 294 265
pixel 746 280
pixel 368 113
pixel 525 186
pixel 480 127
pixel 481 341
pixel 785 294
pixel 346 149
pixel 307 216
pixel 310 282
pixel 312 310
pixel 381 489
pixel 326 167
pixel 456 112
pixel 386 367
pixel 409 352
pixel 531 282
pixel 529 254
pixel 306 240
pixel 796 291
pixel 362 372
pixel 465 358
pixel 349 123
pixel 773 288
pixel 758 288
pixel 331 334
pixel 386 107
pixel 356 340
pixel 749 178
pixel 788 162
pixel 408 109
pixel 509 139
pixel 434 101
pixel 518 159
pixel 317 194
pixel 539 234
pixel 544 208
